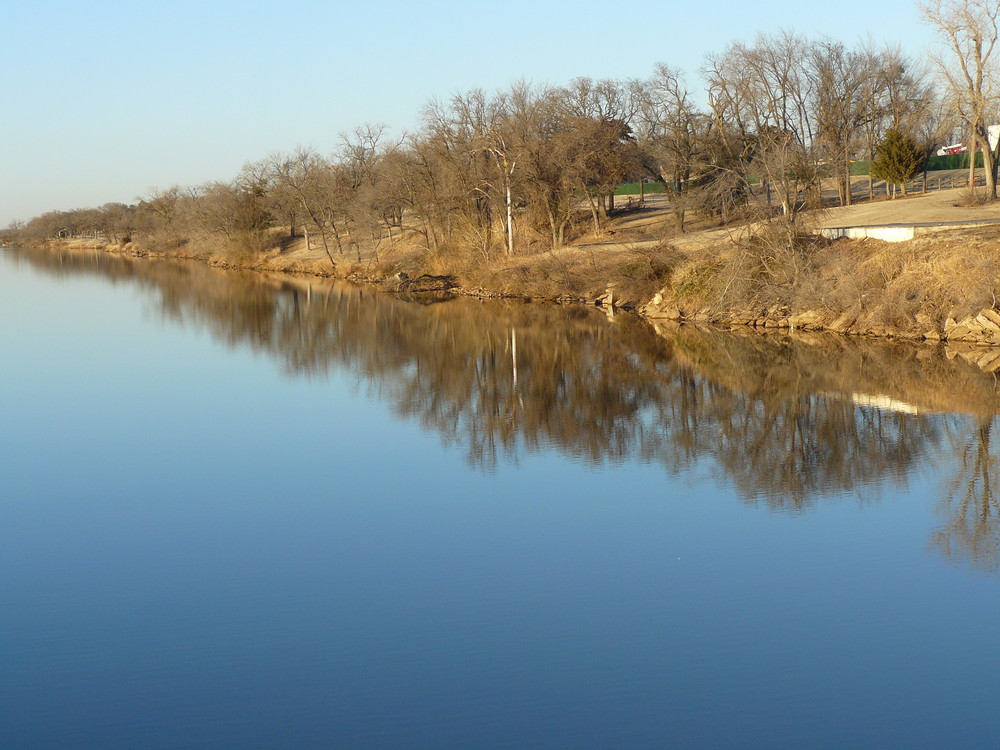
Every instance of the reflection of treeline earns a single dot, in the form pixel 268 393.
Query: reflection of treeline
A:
pixel 503 377
pixel 821 414
pixel 518 170
pixel 784 421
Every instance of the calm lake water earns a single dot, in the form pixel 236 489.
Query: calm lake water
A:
pixel 253 512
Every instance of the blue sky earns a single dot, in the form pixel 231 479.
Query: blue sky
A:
pixel 101 101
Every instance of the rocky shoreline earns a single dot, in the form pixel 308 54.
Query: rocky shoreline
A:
pixel 976 338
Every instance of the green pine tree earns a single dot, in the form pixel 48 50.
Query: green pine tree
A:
pixel 897 159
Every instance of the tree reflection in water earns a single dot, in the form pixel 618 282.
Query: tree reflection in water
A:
pixel 972 515
pixel 786 420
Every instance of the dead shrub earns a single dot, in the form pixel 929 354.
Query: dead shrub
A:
pixel 765 266
pixel 643 273
pixel 973 196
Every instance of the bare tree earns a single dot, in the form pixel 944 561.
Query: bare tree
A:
pixel 763 91
pixel 475 165
pixel 361 153
pixel 304 177
pixel 614 104
pixel 933 127
pixel 968 31
pixel 239 210
pixel 839 76
pixel 498 144
pixel 671 135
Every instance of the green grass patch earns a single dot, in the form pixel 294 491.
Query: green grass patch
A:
pixel 632 188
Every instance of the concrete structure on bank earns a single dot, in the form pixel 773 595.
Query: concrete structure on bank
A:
pixel 897 232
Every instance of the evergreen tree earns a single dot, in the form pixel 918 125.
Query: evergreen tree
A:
pixel 897 159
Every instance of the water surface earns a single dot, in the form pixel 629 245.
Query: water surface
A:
pixel 263 512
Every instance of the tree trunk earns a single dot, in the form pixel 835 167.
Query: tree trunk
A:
pixel 972 161
pixel 431 235
pixel 594 211
pixel 871 180
pixel 994 159
pixel 679 213
pixel 678 198
pixel 989 167
pixel 553 227
pixel 336 236
pixel 510 221
pixel 326 244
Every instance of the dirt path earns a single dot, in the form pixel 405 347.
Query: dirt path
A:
pixel 935 206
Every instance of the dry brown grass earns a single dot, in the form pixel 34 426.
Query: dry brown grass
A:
pixel 766 266
pixel 632 275
pixel 950 274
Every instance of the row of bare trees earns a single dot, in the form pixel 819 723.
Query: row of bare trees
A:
pixel 530 167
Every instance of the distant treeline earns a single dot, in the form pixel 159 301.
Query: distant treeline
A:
pixel 529 168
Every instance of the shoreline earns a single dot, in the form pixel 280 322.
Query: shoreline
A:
pixel 397 283
pixel 976 339
pixel 974 336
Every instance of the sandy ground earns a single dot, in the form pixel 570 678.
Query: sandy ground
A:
pixel 935 206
